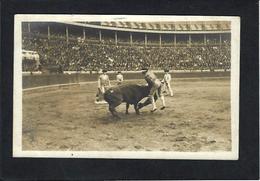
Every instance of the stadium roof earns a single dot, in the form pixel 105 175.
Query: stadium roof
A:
pixel 195 26
pixel 161 27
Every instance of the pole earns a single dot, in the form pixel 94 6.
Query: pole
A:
pixel 100 35
pixel 29 27
pixel 175 40
pixel 67 35
pixel 145 40
pixel 220 39
pixel 131 39
pixel 84 34
pixel 189 40
pixel 49 33
pixel 116 37
pixel 160 40
pixel 205 39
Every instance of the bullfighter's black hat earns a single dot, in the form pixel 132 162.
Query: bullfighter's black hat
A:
pixel 104 70
pixel 166 70
pixel 119 72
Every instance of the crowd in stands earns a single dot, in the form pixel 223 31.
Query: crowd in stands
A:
pixel 85 56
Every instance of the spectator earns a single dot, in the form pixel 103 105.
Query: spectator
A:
pixel 93 55
pixel 119 78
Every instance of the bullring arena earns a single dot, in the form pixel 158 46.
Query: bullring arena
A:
pixel 65 117
pixel 61 62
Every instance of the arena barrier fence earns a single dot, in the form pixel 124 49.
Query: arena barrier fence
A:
pixel 37 80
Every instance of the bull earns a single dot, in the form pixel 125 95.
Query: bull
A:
pixel 128 93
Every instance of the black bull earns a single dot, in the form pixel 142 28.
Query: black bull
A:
pixel 128 93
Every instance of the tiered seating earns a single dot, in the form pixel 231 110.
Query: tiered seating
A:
pixel 93 56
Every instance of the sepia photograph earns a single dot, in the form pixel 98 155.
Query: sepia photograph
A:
pixel 121 86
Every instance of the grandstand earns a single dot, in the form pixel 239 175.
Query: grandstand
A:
pixel 118 45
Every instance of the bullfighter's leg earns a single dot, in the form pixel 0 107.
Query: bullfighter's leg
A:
pixel 136 109
pixel 153 103
pixel 160 94
pixel 101 93
pixel 163 102
pixel 127 107
pixel 151 97
pixel 170 89
pixel 140 105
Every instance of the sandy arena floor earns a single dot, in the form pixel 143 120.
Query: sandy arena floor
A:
pixel 197 118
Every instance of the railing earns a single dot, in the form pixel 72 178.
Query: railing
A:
pixel 37 80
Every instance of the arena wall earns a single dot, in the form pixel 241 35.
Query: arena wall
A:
pixel 37 80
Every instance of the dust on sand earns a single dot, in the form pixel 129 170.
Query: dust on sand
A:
pixel 197 118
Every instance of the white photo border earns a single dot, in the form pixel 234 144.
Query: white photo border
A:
pixel 17 93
